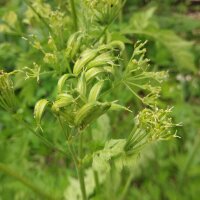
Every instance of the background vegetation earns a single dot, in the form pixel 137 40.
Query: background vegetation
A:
pixel 167 170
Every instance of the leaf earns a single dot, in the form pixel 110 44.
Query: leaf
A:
pixel 39 110
pixel 142 23
pixel 102 129
pixel 73 191
pixel 141 20
pixel 101 159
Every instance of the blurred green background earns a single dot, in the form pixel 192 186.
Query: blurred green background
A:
pixel 166 171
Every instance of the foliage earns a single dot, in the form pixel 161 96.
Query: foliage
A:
pixel 86 100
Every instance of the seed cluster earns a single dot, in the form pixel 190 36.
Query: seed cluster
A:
pixel 78 100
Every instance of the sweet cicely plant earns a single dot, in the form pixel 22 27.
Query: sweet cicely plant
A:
pixel 89 65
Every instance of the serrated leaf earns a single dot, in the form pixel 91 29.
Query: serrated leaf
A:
pixel 101 159
pixel 102 128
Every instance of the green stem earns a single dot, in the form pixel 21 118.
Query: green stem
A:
pixel 5 169
pixel 43 139
pixel 39 16
pixel 81 168
pixel 78 163
pixel 96 179
pixel 126 187
pixel 189 160
pixel 74 14
pixel 121 14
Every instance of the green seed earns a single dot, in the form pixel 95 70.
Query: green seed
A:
pixel 115 106
pixel 62 81
pixel 62 101
pixel 90 112
pixel 117 44
pixel 84 58
pixel 39 110
pixel 82 86
pixel 95 91
pixel 93 72
pixel 72 41
pixel 76 46
pixel 103 59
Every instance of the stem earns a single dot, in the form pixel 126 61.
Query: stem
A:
pixel 43 139
pixel 81 168
pixel 5 169
pixel 74 14
pixel 96 179
pixel 126 187
pixel 189 160
pixel 39 16
pixel 77 163
pixel 121 14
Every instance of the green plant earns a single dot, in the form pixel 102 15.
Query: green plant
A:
pixel 88 63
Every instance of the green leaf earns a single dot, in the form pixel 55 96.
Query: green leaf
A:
pixel 142 23
pixel 101 159
pixel 102 129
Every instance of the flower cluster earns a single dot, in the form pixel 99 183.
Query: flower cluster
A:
pixel 151 125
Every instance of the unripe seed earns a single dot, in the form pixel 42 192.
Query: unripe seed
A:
pixel 68 117
pixel 62 101
pixel 39 110
pixel 71 43
pixel 95 91
pixel 82 86
pixel 93 72
pixel 117 44
pixel 89 112
pixel 115 106
pixel 84 58
pixel 103 59
pixel 76 46
pixel 62 81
